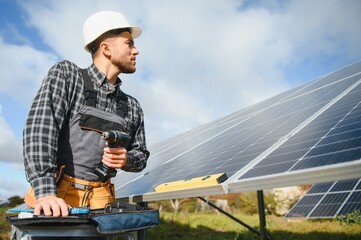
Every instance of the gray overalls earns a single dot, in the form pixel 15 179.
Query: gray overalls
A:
pixel 80 146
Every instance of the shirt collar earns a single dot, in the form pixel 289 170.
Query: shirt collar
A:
pixel 100 77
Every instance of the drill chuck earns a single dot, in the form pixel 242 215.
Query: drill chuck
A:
pixel 116 138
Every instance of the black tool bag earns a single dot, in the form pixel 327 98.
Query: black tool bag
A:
pixel 116 218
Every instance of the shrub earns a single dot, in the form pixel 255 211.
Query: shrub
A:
pixel 350 218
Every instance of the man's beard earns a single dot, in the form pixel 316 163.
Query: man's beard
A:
pixel 129 68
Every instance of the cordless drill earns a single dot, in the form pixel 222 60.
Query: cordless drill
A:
pixel 115 139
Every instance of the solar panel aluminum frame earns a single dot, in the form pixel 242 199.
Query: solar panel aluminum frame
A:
pixel 339 171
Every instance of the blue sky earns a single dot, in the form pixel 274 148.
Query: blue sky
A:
pixel 199 60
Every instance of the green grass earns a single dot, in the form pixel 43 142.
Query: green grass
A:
pixel 4 226
pixel 203 226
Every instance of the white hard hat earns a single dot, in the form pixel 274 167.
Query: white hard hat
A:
pixel 104 21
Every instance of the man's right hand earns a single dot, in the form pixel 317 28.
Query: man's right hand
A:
pixel 51 206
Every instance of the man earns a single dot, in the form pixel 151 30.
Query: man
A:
pixel 62 140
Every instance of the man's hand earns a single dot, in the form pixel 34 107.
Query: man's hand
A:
pixel 115 157
pixel 51 206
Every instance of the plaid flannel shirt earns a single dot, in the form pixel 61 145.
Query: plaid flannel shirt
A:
pixel 57 101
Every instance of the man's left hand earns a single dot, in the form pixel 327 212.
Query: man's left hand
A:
pixel 115 157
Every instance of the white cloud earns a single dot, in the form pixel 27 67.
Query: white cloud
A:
pixel 316 28
pixel 22 69
pixel 11 187
pixel 200 60
pixel 10 146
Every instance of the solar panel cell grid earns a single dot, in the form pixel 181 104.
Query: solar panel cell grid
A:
pixel 329 200
pixel 329 205
pixel 320 188
pixel 326 211
pixel 301 211
pixel 352 204
pixel 349 208
pixel 344 185
pixel 317 133
pixel 335 76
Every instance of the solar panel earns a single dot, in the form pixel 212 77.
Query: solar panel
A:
pixel 332 137
pixel 328 200
pixel 287 140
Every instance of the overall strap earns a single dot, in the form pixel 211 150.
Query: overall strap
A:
pixel 123 107
pixel 90 93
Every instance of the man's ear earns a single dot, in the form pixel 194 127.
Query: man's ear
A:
pixel 105 48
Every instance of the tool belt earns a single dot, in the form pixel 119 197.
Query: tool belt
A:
pixel 80 193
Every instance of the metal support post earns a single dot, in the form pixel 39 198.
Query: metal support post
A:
pixel 142 234
pixel 230 216
pixel 262 215
pixel 263 235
